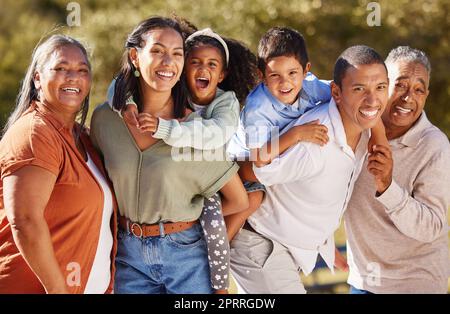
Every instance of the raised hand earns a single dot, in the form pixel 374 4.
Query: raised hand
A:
pixel 380 165
pixel 147 122
pixel 130 115
pixel 312 132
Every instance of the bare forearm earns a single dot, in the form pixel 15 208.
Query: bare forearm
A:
pixel 234 223
pixel 234 197
pixel 269 151
pixel 32 237
pixel 378 133
pixel 230 207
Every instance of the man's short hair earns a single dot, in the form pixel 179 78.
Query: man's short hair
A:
pixel 353 56
pixel 406 53
pixel 281 41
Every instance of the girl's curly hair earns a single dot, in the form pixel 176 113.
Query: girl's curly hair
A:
pixel 242 70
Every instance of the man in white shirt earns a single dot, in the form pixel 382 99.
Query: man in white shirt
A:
pixel 308 186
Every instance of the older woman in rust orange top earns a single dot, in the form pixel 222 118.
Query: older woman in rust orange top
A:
pixel 57 221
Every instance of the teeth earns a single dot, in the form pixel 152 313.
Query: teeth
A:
pixel 71 89
pixel 203 79
pixel 369 113
pixel 403 110
pixel 166 74
pixel 286 90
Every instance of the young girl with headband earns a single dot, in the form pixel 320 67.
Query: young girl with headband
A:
pixel 219 74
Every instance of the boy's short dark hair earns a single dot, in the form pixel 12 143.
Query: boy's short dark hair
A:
pixel 281 41
pixel 355 55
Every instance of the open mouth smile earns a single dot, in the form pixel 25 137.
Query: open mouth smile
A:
pixel 369 113
pixel 202 82
pixel 285 91
pixel 71 90
pixel 165 75
pixel 402 110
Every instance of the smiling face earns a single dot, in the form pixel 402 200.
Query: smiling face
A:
pixel 204 71
pixel 283 77
pixel 64 80
pixel 363 96
pixel 161 60
pixel 408 92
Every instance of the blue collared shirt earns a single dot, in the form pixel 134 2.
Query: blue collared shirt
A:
pixel 264 114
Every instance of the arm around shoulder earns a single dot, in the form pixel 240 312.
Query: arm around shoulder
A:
pixel 203 133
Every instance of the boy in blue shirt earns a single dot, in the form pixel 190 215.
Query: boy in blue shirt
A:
pixel 288 90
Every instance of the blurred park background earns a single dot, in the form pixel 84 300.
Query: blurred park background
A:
pixel 329 26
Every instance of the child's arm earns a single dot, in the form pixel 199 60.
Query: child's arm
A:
pixel 309 132
pixel 203 133
pixel 378 136
pixel 198 133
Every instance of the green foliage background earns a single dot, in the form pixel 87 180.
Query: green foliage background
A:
pixel 328 26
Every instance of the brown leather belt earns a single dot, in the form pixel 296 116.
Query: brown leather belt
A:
pixel 142 230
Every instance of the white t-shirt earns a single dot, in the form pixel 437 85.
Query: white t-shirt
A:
pixel 100 275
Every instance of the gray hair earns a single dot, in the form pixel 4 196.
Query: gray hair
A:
pixel 28 92
pixel 406 53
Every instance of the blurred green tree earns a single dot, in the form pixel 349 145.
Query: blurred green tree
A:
pixel 328 26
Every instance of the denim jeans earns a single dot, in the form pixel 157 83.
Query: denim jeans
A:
pixel 354 290
pixel 174 263
pixel 254 186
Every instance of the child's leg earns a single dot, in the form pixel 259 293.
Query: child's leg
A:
pixel 217 242
pixel 236 221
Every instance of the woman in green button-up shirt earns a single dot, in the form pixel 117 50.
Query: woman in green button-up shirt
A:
pixel 152 187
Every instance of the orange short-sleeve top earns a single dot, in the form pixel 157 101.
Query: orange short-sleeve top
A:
pixel 74 210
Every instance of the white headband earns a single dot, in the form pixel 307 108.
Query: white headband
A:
pixel 209 33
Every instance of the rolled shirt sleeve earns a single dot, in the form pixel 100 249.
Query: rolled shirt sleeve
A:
pixel 30 143
pixel 221 173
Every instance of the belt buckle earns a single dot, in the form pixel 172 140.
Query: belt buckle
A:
pixel 140 229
